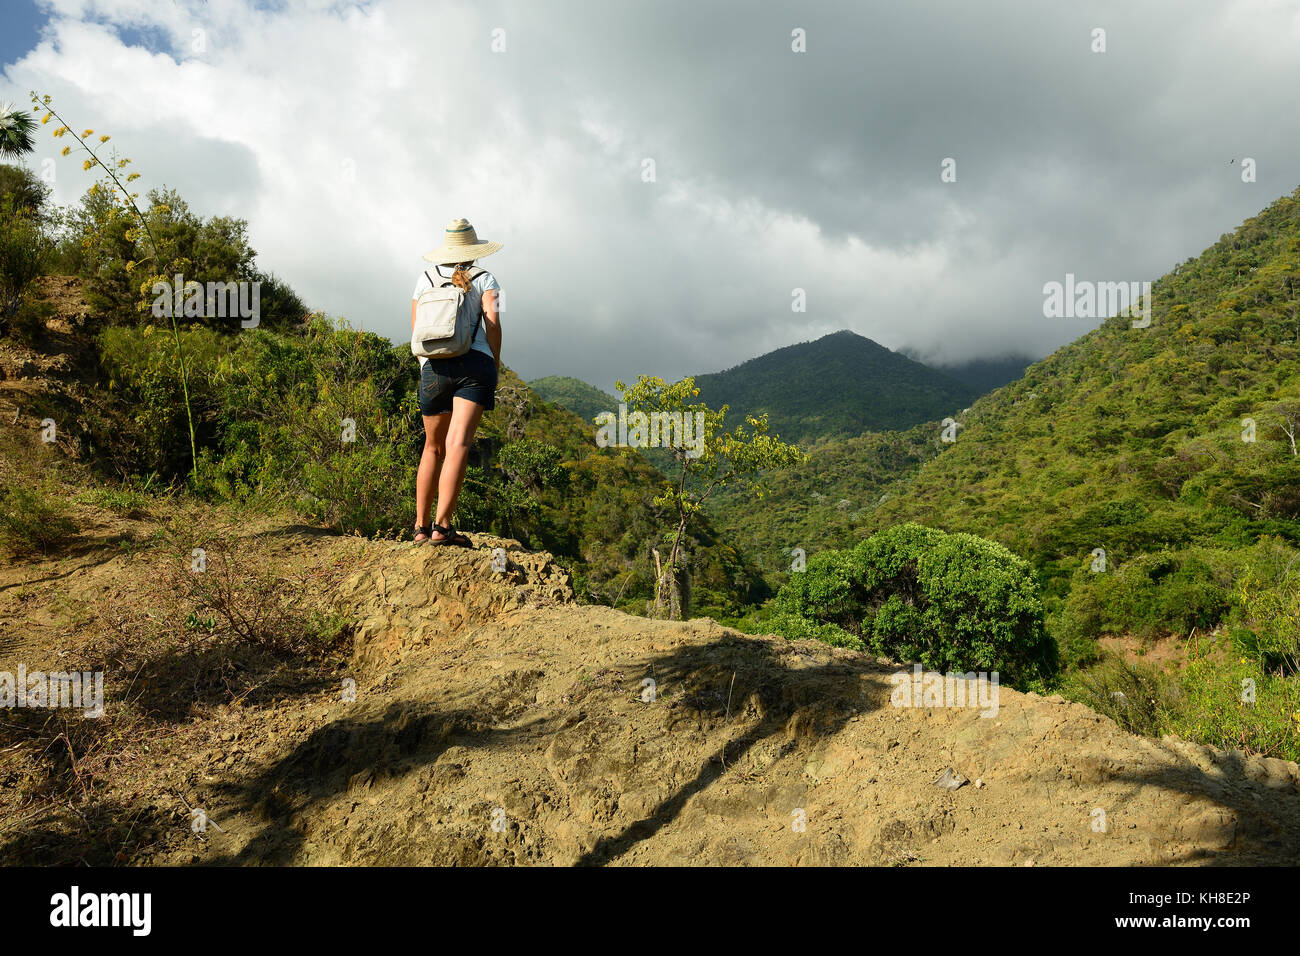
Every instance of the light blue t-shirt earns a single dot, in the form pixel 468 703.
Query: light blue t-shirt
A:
pixel 485 282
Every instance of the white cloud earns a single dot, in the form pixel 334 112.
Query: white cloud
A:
pixel 773 172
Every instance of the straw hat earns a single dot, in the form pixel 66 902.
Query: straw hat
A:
pixel 462 245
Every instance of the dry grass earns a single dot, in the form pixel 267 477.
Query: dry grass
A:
pixel 176 648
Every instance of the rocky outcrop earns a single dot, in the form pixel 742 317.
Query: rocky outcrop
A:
pixel 501 724
pixel 410 596
pixel 485 718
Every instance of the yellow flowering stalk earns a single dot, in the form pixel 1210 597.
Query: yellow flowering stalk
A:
pixel 128 200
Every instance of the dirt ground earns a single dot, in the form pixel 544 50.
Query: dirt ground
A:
pixel 480 717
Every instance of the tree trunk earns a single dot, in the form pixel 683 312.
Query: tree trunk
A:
pixel 672 589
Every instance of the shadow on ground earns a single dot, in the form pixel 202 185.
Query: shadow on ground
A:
pixel 743 685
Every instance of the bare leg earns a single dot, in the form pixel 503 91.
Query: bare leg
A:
pixel 431 459
pixel 465 417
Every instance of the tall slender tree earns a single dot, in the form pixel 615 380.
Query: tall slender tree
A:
pixel 707 457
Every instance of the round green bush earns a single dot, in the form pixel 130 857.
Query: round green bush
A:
pixel 947 601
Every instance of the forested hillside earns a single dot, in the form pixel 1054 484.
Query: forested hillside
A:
pixel 838 386
pixel 1169 447
pixel 585 401
pixel 825 503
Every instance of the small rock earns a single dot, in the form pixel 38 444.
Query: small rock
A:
pixel 950 780
pixel 979 783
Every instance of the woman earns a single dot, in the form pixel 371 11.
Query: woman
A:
pixel 455 392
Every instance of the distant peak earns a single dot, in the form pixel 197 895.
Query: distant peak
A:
pixel 845 334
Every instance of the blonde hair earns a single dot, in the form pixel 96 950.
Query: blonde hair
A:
pixel 460 278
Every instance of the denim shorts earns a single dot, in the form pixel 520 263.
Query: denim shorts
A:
pixel 471 376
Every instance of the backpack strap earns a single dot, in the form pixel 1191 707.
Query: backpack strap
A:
pixel 446 280
pixel 480 319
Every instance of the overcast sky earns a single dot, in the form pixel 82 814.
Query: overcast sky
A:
pixel 348 134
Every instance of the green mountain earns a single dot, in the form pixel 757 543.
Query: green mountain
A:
pixel 840 385
pixel 1150 473
pixel 1151 476
pixel 585 401
pixel 1168 448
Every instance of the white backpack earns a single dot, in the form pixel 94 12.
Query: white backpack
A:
pixel 443 327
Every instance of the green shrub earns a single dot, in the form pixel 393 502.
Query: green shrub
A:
pixel 24 248
pixel 1150 596
pixel 947 601
pixel 528 466
pixel 32 522
pixel 327 421
pixel 122 501
pixel 28 323
pixel 1240 689
pixel 105 245
pixel 1137 697
pixel 1267 626
pixel 795 628
pixel 1216 709
pixel 140 367
pixel 23 190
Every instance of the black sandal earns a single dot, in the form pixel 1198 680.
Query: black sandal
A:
pixel 450 537
pixel 426 530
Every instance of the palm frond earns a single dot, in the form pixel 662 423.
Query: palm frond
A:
pixel 16 128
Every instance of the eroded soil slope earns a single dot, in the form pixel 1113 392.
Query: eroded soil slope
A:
pixel 479 716
pixel 521 732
